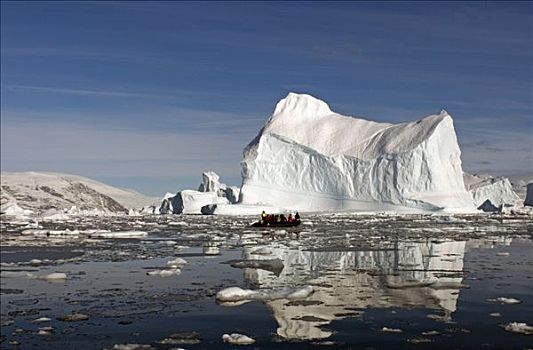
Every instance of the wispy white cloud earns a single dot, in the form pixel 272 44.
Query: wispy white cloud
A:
pixel 116 152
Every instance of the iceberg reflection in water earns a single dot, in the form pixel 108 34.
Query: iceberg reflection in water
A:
pixel 409 274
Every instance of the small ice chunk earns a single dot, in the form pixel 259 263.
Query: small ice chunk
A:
pixel 45 331
pixel 178 223
pixel 164 273
pixel 132 347
pixel 35 262
pixel 262 251
pixel 430 333
pixel 121 234
pixel 301 293
pixel 391 330
pixel 238 339
pixel 73 318
pixel 42 319
pixel 234 294
pixel 54 276
pixel 210 250
pixel 495 314
pixel 518 327
pixel 503 254
pixel 504 300
pixel 176 263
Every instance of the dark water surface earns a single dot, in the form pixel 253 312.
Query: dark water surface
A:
pixel 379 281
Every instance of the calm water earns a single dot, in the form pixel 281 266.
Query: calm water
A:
pixel 432 281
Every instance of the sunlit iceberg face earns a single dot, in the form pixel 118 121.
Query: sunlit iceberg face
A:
pixel 406 274
pixel 309 158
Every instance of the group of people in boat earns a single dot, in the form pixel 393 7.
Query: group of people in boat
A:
pixel 279 218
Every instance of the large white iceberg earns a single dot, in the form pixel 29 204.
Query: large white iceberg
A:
pixel 308 158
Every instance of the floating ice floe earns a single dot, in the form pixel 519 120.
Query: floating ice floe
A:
pixel 189 338
pixel 238 339
pixel 164 273
pixel 503 254
pixel 120 234
pixel 131 347
pixel 210 249
pixel 45 330
pixel 35 262
pixel 505 300
pixel 73 318
pixel 55 276
pixel 176 263
pixel 236 294
pixel 41 319
pixel 273 265
pixel 518 327
pixel 262 251
pixel 391 330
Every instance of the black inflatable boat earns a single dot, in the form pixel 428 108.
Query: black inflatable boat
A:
pixel 276 224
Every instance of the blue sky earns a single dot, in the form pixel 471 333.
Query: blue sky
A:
pixel 147 95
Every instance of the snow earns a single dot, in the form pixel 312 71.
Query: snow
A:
pixel 518 327
pixel 489 194
pixel 238 339
pixel 309 158
pixel 529 195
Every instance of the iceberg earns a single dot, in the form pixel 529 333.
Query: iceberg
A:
pixel 490 194
pixel 529 196
pixel 210 182
pixel 210 194
pixel 308 158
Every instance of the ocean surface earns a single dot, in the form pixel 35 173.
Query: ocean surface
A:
pixel 378 281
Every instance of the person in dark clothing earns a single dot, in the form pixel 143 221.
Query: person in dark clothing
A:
pixel 283 218
pixel 297 216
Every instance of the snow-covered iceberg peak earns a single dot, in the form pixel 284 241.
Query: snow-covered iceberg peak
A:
pixel 307 157
pixel 301 106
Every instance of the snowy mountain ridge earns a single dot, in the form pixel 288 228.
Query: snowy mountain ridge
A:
pixel 40 191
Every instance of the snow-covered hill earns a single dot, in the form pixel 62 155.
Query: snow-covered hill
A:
pixel 307 157
pixel 39 192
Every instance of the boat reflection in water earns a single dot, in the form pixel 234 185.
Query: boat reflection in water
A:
pixel 408 274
